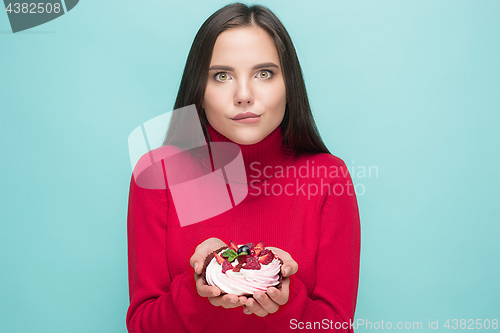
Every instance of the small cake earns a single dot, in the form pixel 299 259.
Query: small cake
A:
pixel 243 269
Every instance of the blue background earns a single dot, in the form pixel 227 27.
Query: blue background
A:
pixel 409 87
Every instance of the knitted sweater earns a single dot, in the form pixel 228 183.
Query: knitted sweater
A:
pixel 303 204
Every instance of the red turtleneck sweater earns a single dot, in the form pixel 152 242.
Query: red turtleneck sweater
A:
pixel 301 203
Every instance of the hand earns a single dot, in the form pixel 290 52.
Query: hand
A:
pixel 197 261
pixel 289 266
pixel 262 304
pixel 269 302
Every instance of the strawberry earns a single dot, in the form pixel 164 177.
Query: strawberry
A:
pixel 232 245
pixel 264 252
pixel 226 265
pixel 267 258
pixel 220 260
pixel 252 263
pixel 259 247
pixel 237 268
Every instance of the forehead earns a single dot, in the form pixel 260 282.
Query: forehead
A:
pixel 244 47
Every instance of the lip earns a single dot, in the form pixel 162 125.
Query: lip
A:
pixel 245 115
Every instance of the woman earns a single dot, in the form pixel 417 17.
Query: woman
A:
pixel 244 78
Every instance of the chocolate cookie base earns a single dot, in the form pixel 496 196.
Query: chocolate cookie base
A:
pixel 209 258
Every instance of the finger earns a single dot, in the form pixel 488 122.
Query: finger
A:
pixel 289 266
pixel 202 250
pixel 227 301
pixel 265 302
pixel 196 261
pixel 231 299
pixel 246 310
pixel 255 307
pixel 205 290
pixel 198 258
pixel 280 296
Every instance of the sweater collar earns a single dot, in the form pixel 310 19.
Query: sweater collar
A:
pixel 262 160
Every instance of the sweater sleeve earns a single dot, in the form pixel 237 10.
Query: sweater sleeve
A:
pixel 333 298
pixel 158 303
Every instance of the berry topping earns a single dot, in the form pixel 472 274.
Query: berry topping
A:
pixel 259 247
pixel 220 260
pixel 267 258
pixel 252 263
pixel 232 245
pixel 249 256
pixel 237 268
pixel 264 252
pixel 242 258
pixel 244 248
pixel 226 265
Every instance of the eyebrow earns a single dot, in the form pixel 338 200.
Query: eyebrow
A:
pixel 231 69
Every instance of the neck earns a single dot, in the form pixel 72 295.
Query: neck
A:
pixel 261 160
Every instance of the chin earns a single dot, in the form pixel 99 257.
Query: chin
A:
pixel 248 140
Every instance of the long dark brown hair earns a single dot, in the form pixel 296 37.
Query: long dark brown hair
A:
pixel 298 127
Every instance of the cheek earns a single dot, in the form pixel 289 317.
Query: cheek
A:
pixel 217 97
pixel 210 97
pixel 213 103
pixel 275 97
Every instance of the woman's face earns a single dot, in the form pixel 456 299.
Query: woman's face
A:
pixel 245 79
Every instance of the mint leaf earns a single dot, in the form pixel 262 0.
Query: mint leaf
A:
pixel 230 254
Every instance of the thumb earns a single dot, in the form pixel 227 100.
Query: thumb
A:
pixel 196 262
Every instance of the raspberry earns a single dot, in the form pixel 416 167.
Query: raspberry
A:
pixel 250 245
pixel 252 263
pixel 242 259
pixel 226 265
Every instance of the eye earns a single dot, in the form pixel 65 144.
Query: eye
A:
pixel 266 74
pixel 221 77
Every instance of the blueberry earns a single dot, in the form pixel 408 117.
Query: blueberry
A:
pixel 244 248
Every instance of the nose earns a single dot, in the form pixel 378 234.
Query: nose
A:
pixel 244 94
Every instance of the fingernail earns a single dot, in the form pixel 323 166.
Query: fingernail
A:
pixel 271 292
pixel 258 297
pixel 287 271
pixel 232 300
pixel 250 303
pixel 195 266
